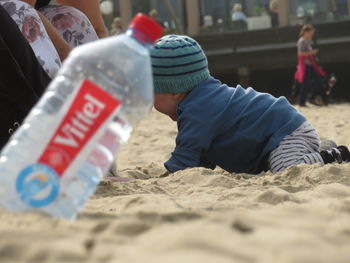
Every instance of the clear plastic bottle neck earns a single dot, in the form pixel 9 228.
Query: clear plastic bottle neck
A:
pixel 140 37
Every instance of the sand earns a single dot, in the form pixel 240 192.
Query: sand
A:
pixel 198 215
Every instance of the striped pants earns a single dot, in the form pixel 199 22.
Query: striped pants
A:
pixel 302 146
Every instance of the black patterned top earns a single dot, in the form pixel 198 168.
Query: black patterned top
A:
pixel 41 3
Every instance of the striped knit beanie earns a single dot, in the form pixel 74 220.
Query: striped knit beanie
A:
pixel 178 63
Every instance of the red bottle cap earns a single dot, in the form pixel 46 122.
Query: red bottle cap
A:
pixel 147 26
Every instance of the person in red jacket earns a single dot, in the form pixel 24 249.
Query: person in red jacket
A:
pixel 309 75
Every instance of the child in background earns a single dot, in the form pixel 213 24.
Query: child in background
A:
pixel 240 130
pixel 309 74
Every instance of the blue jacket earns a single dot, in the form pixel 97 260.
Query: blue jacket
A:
pixel 234 128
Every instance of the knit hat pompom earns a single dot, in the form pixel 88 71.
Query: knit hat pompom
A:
pixel 179 64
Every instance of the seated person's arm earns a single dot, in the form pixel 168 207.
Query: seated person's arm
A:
pixel 60 44
pixel 185 158
pixel 91 8
pixel 192 142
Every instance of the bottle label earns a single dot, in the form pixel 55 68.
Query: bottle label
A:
pixel 90 109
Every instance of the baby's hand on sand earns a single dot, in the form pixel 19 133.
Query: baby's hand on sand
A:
pixel 165 174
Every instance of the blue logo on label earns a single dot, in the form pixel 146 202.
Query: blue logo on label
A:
pixel 38 185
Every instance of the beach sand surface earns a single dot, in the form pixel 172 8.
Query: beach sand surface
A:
pixel 198 215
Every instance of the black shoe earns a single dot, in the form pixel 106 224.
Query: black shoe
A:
pixel 327 145
pixel 340 154
pixel 316 102
pixel 312 101
pixel 345 154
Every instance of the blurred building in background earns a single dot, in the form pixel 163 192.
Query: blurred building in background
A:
pixel 259 50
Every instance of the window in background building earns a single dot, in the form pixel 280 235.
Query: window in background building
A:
pixel 116 27
pixel 215 16
pixel 116 10
pixel 257 7
pixel 108 10
pixel 140 6
pixel 258 12
pixel 317 11
pixel 169 13
pixel 236 15
pixel 341 11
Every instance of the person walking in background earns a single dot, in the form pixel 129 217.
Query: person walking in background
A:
pixel 309 75
pixel 273 12
pixel 237 14
pixel 116 26
pixel 22 79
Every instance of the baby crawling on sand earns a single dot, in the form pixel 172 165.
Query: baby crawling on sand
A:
pixel 240 130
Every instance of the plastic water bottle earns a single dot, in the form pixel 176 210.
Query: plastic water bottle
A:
pixel 55 160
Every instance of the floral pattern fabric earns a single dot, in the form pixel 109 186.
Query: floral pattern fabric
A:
pixel 73 25
pixel 34 31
